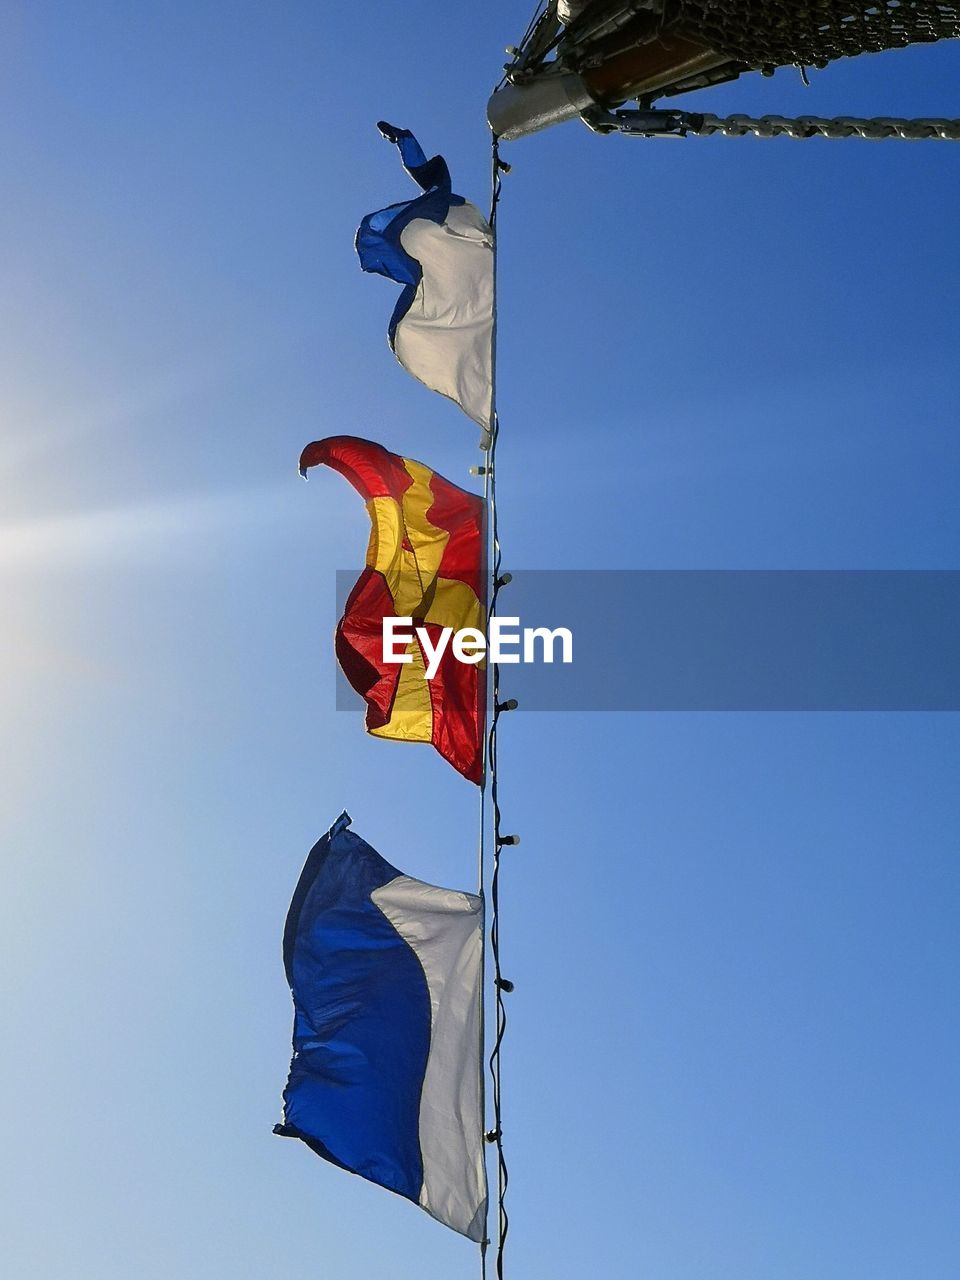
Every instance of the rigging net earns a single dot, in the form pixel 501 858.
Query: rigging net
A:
pixel 775 33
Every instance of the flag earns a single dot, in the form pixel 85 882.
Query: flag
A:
pixel 424 561
pixel 386 1074
pixel 440 248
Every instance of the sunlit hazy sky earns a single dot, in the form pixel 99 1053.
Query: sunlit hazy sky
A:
pixel 733 1042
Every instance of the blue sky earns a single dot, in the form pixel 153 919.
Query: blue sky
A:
pixel 733 1042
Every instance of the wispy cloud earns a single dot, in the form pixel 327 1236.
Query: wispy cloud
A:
pixel 40 414
pixel 142 529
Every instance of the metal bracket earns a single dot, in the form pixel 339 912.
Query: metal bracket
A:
pixel 643 124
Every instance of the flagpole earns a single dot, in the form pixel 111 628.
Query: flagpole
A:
pixel 482 846
pixel 481 851
pixel 488 797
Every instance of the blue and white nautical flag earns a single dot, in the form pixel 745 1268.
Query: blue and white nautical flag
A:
pixel 440 248
pixel 386 1073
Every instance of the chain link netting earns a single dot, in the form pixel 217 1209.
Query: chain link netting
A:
pixel 652 123
pixel 874 129
pixel 774 33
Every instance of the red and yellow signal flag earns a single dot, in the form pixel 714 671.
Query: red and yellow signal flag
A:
pixel 425 561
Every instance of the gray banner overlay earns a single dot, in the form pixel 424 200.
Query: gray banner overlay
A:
pixel 733 640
